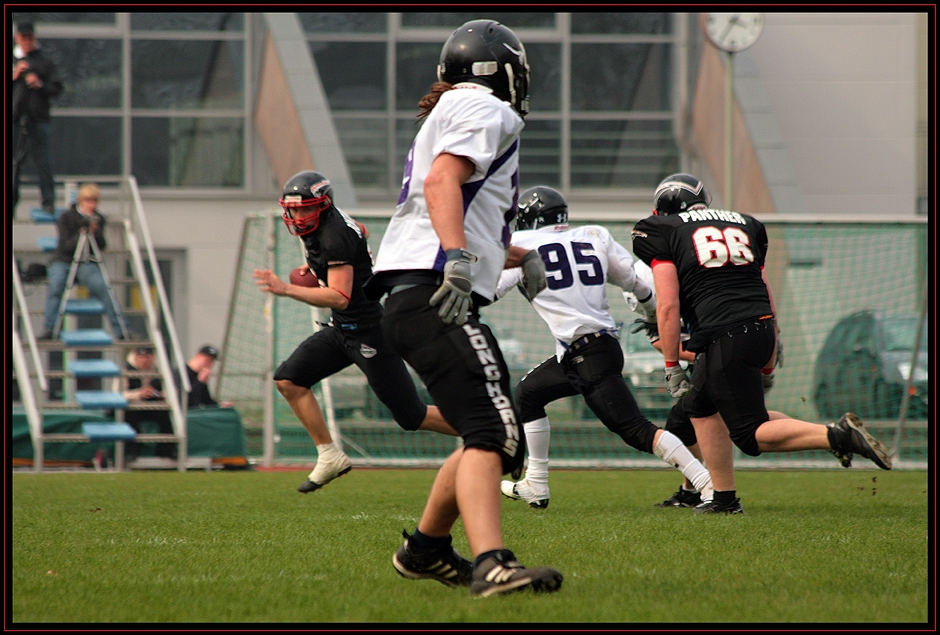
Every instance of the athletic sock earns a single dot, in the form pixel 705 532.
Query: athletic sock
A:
pixel 483 556
pixel 537 437
pixel 725 498
pixel 671 450
pixel 326 452
pixel 422 543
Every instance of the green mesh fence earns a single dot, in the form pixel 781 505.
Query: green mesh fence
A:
pixel 849 298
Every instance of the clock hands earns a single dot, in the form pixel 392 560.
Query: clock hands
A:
pixel 732 22
pixel 733 32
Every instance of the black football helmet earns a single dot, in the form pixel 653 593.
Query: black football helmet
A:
pixel 487 53
pixel 310 190
pixel 677 193
pixel 540 206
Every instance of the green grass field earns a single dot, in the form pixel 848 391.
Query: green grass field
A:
pixel 831 547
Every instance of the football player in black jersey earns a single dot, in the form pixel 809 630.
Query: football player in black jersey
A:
pixel 679 423
pixel 708 270
pixel 338 254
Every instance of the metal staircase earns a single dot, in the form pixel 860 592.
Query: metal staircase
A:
pixel 84 359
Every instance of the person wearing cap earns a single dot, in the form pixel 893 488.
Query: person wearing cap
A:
pixel 140 386
pixel 199 369
pixel 35 81
pixel 143 385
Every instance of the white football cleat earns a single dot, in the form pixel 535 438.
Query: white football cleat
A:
pixel 536 495
pixel 325 471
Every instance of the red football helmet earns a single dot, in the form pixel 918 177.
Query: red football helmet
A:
pixel 304 197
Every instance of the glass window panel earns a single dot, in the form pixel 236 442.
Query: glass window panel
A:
pixel 544 77
pixel 365 146
pixel 183 21
pixel 352 73
pixel 416 69
pixel 187 74
pixel 63 18
pixel 82 145
pixel 621 77
pixel 540 154
pixel 343 22
pixel 622 153
pixel 454 20
pixel 90 71
pixel 188 151
pixel 621 23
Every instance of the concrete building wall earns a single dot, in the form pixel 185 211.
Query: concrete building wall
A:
pixel 843 87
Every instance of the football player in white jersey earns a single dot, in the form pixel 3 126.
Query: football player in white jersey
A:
pixel 439 261
pixel 588 360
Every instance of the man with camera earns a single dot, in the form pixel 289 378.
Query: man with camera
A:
pixel 35 82
pixel 83 217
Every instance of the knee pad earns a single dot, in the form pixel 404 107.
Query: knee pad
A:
pixel 528 407
pixel 638 434
pixel 678 423
pixel 411 424
pixel 746 440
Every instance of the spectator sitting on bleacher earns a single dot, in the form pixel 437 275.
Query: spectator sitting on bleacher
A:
pixel 147 389
pixel 199 369
pixel 82 217
pixel 142 388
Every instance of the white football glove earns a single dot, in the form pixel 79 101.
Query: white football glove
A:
pixel 677 381
pixel 647 308
pixel 454 293
pixel 533 274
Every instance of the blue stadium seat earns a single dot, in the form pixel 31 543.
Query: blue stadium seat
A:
pixel 47 243
pixel 100 399
pixel 108 431
pixel 93 368
pixel 87 337
pixel 84 307
pixel 42 216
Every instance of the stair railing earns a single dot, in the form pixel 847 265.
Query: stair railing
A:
pixel 23 377
pixel 174 398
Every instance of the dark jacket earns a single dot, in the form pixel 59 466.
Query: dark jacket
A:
pixel 199 396
pixel 70 225
pixel 34 103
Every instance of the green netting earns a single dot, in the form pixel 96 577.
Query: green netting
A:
pixel 849 298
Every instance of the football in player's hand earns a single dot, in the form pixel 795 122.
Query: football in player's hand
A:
pixel 304 277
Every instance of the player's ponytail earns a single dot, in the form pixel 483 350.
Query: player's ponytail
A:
pixel 430 100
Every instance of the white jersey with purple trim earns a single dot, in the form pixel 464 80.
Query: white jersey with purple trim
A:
pixel 579 262
pixel 645 275
pixel 469 122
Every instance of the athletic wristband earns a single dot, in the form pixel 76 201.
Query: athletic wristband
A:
pixel 767 371
pixel 460 254
pixel 671 364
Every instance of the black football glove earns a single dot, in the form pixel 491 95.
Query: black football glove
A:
pixel 651 328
